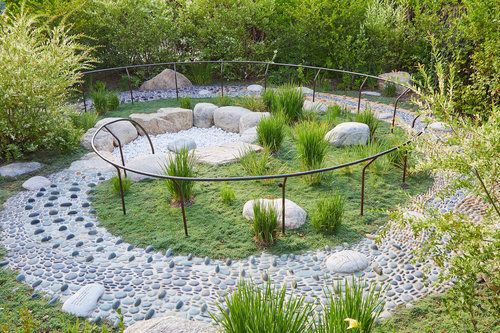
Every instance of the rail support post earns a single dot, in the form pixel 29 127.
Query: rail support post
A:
pixel 314 84
pixel 122 193
pixel 393 123
pixel 283 189
pixel 129 85
pixel 363 185
pixel 175 79
pixel 359 93
pixel 84 99
pixel 183 208
pixel 265 77
pixel 222 78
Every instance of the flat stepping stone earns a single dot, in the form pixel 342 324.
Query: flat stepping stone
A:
pixel 171 323
pixel 371 93
pixel 36 183
pixel 84 301
pixel 346 261
pixel 151 163
pixel 19 168
pixel 226 153
pixel 295 216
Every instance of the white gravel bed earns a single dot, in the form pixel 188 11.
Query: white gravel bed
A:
pixel 203 137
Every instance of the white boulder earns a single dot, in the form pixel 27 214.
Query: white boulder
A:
pixel 439 127
pixel 36 183
pixel 103 141
pixel 226 153
pixel 349 133
pixel 255 88
pixel 346 261
pixel 250 135
pixel 124 130
pixel 93 163
pixel 305 90
pixel 166 80
pixel 315 106
pixel 203 115
pixel 251 120
pixel 84 301
pixel 177 145
pixel 295 216
pixel 228 117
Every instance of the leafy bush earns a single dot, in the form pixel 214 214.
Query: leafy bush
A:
pixel 84 120
pixel 102 99
pixel 328 214
pixel 126 184
pixel 264 224
pixel 227 194
pixel 389 89
pixel 255 104
pixel 311 147
pixel 254 163
pixel 185 102
pixel 350 307
pixel 38 67
pixel 367 117
pixel 181 165
pixel 252 309
pixel 271 132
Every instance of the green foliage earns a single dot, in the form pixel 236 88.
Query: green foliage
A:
pixel 311 147
pixel 102 99
pixel 254 163
pixel 200 74
pixel 84 120
pixel 332 113
pixel 270 310
pixel 288 101
pixel 255 104
pixel 368 117
pixel 265 221
pixel 271 132
pixel 328 214
pixel 389 89
pixel 181 165
pixel 227 194
pixel 115 183
pixel 39 66
pixel 224 101
pixel 268 97
pixel 185 103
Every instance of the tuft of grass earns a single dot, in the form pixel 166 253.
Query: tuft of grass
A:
pixel 103 100
pixel 289 102
pixel 311 147
pixel 328 214
pixel 115 184
pixel 254 163
pixel 84 120
pixel 224 101
pixel 185 103
pixel 389 90
pixel 227 194
pixel 181 165
pixel 264 223
pixel 252 309
pixel 271 133
pixel 200 73
pixel 268 97
pixel 332 114
pixel 253 103
pixel 367 117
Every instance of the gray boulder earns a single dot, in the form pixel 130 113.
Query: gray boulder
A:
pixel 255 88
pixel 348 134
pixel 226 153
pixel 179 119
pixel 151 163
pixel 177 145
pixel 400 77
pixel 346 261
pixel 228 117
pixel 84 301
pixel 19 168
pixel 124 130
pixel 250 135
pixel 152 123
pixel 36 183
pixel 166 80
pixel 103 141
pixel 295 216
pixel 315 106
pixel 251 120
pixel 203 115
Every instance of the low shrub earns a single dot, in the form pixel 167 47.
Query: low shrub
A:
pixel 180 165
pixel 328 214
pixel 251 308
pixel 102 99
pixel 224 101
pixel 227 194
pixel 200 73
pixel 115 183
pixel 311 147
pixel 255 104
pixel 264 223
pixel 254 163
pixel 367 117
pixel 389 90
pixel 271 132
pixel 289 102
pixel 185 102
pixel 84 120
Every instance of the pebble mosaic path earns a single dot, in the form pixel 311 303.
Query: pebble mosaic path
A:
pixel 54 240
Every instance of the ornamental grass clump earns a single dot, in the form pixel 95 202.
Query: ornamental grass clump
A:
pixel 251 308
pixel 367 117
pixel 264 224
pixel 227 194
pixel 103 100
pixel 289 102
pixel 254 163
pixel 126 184
pixel 181 165
pixel 271 132
pixel 185 102
pixel 311 147
pixel 328 214
pixel 255 104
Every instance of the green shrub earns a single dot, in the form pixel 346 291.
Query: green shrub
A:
pixel 84 120
pixel 332 113
pixel 185 103
pixel 389 89
pixel 255 104
pixel 227 194
pixel 102 99
pixel 224 101
pixel 310 115
pixel 311 147
pixel 372 148
pixel 347 303
pixel 268 97
pixel 264 224
pixel 200 73
pixel 39 66
pixel 181 165
pixel 268 309
pixel 367 117
pixel 288 102
pixel 254 163
pixel 126 184
pixel 328 214
pixel 271 132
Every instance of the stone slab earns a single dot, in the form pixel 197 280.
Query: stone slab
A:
pixel 19 168
pixel 226 153
pixel 84 301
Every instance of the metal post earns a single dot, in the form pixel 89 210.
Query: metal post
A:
pixel 359 93
pixel 314 84
pixel 119 147
pixel 84 99
pixel 129 85
pixel 222 78
pixel 183 209
pixel 265 77
pixel 404 185
pixel 283 186
pixel 122 194
pixel 175 79
pixel 395 109
pixel 363 185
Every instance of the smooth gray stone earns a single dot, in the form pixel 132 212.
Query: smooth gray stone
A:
pixel 84 301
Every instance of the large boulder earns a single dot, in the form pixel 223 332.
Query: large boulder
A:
pixel 348 134
pixel 295 216
pixel 93 163
pixel 152 123
pixel 179 119
pixel 124 130
pixel 228 117
pixel 166 80
pixel 19 168
pixel 251 120
pixel 255 88
pixel 84 301
pixel 346 261
pixel 36 183
pixel 226 153
pixel 151 163
pixel 203 115
pixel 179 144
pixel 403 78
pixel 171 324
pixel 103 141
pixel 318 107
pixel 250 135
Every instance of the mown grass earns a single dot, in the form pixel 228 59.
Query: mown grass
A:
pixel 219 230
